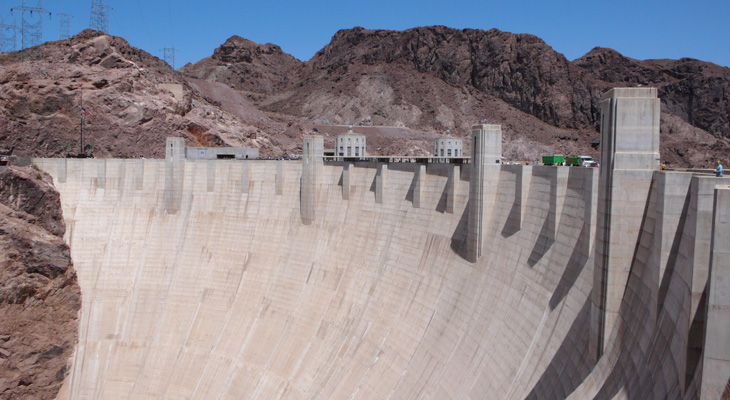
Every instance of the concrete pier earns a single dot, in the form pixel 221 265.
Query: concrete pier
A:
pixel 700 227
pixel 671 204
pixel 629 157
pixel 210 178
pixel 419 177
pixel 61 170
pixel 174 173
pixel 139 175
pixel 346 171
pixel 312 152
pixel 245 179
pixel 486 162
pixel 716 363
pixel 381 179
pixel 279 179
pixel 452 186
pixel 100 180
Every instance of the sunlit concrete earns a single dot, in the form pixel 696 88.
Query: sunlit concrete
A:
pixel 226 293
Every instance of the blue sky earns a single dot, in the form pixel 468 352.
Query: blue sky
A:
pixel 638 29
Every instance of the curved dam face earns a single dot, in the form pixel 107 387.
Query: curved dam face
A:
pixel 402 280
pixel 232 296
pixel 229 279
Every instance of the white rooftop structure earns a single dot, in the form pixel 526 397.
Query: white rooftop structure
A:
pixel 448 146
pixel 350 144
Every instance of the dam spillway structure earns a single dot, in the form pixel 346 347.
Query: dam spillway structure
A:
pixel 375 279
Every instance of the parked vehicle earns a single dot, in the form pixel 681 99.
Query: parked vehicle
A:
pixel 578 161
pixel 587 161
pixel 553 160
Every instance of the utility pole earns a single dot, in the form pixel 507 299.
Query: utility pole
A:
pixel 99 16
pixel 8 42
pixel 168 54
pixel 31 32
pixel 65 21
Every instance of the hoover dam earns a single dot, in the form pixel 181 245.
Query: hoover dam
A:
pixel 389 280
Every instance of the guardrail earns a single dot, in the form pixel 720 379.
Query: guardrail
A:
pixel 693 170
pixel 402 159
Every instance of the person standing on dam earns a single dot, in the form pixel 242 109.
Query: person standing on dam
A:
pixel 718 170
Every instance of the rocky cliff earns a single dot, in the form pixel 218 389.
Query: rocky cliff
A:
pixel 437 78
pixel 244 65
pixel 119 91
pixel 39 295
pixel 422 81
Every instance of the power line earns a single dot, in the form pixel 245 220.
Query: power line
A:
pixel 99 19
pixel 30 33
pixel 144 21
pixel 8 42
pixel 169 14
pixel 65 20
pixel 168 54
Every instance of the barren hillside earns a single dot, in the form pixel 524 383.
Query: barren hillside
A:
pixel 127 112
pixel 422 81
pixel 435 78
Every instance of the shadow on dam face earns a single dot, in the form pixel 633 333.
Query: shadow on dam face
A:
pixel 232 296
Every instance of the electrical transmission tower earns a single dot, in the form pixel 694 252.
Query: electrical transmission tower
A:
pixel 99 16
pixel 168 54
pixel 8 34
pixel 65 20
pixel 31 30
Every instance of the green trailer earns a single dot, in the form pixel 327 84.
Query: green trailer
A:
pixel 552 160
pixel 572 161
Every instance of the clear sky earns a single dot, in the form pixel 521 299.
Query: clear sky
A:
pixel 638 29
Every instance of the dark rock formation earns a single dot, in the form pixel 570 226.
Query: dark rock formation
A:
pixel 127 112
pixel 245 65
pixel 39 295
pixel 426 79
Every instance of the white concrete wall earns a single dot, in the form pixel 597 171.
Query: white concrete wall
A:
pixel 231 296
pixel 629 157
pixel 312 151
pixel 716 362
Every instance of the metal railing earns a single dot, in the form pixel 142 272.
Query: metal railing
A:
pixel 402 159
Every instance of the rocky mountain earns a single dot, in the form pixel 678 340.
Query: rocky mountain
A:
pixel 437 78
pixel 415 84
pixel 39 295
pixel 128 104
pixel 244 65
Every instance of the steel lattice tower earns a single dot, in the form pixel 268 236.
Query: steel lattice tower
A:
pixel 8 42
pixel 168 54
pixel 31 32
pixel 99 16
pixel 65 21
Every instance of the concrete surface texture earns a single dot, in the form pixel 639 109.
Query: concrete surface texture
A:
pixel 230 295
pixel 365 280
pixel 212 153
pixel 175 88
pixel 629 157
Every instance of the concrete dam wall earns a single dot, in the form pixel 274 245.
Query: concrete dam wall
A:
pixel 360 280
pixel 228 294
